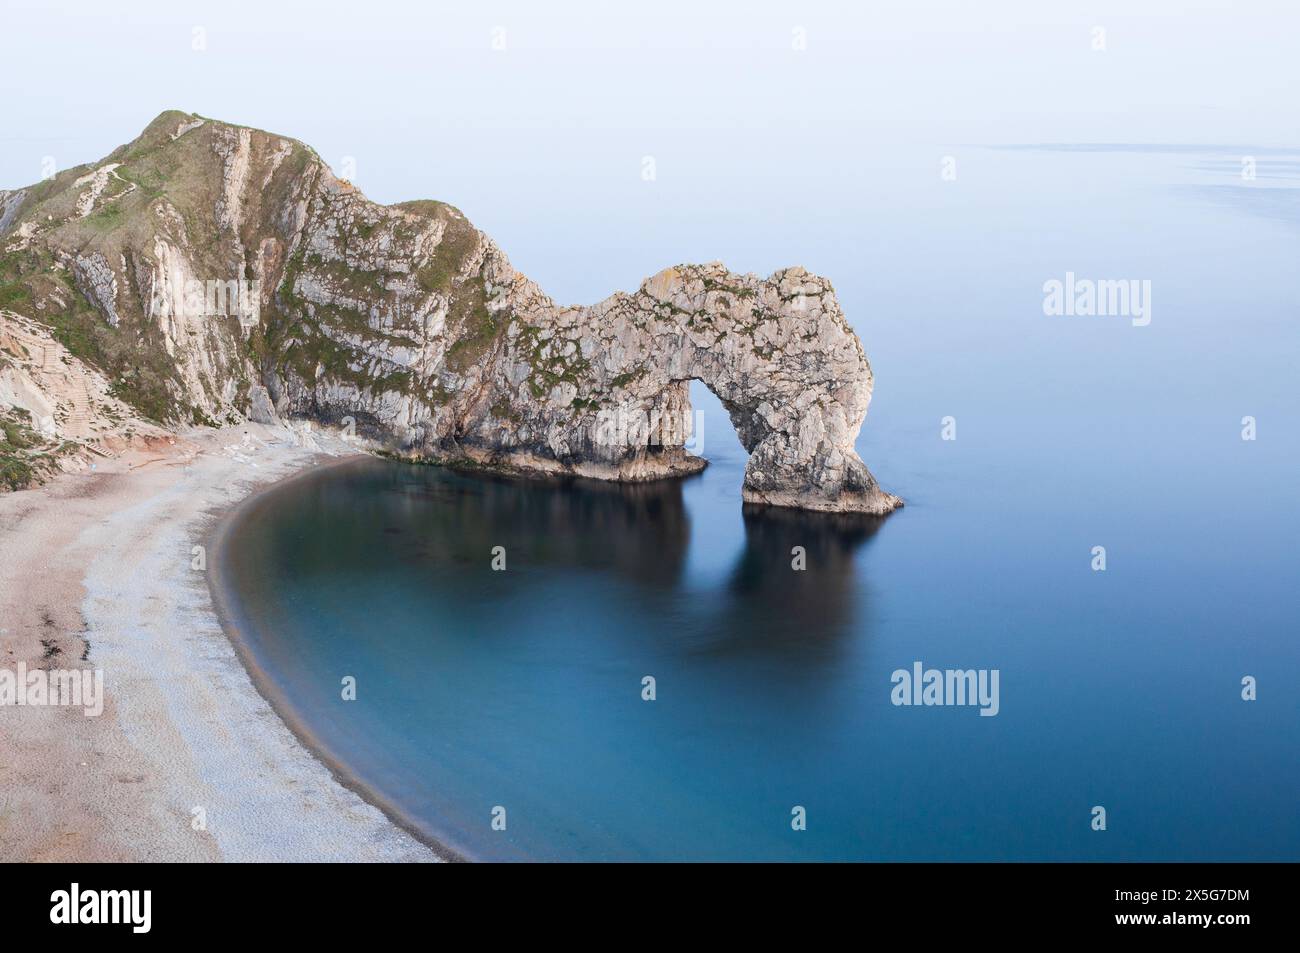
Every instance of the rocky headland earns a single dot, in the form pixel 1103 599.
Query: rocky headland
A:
pixel 208 273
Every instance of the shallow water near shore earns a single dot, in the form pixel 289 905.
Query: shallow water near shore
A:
pixel 522 689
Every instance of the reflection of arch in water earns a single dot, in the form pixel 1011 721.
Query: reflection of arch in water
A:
pixel 774 610
pixel 639 532
pixel 766 608
pixel 642 533
pixel 781 602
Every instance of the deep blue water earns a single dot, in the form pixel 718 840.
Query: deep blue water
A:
pixel 1121 688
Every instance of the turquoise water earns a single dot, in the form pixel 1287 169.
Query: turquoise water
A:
pixel 522 689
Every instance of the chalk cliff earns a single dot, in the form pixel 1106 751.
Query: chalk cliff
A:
pixel 211 272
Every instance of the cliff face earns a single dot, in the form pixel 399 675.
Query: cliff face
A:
pixel 213 272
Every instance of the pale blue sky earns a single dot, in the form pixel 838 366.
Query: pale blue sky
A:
pixel 542 143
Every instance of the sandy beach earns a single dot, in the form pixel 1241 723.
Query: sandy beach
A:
pixel 187 761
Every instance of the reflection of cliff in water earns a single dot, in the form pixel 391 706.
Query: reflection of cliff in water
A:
pixel 443 526
pixel 434 516
pixel 765 571
pixel 780 603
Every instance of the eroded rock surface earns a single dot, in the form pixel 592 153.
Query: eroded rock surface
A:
pixel 215 273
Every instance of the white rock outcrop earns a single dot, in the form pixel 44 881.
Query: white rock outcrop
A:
pixel 413 323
